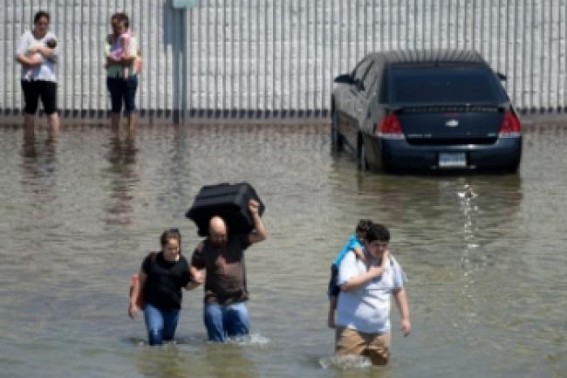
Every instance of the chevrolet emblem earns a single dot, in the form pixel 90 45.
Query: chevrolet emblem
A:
pixel 452 123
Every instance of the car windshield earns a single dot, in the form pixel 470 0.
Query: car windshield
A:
pixel 444 86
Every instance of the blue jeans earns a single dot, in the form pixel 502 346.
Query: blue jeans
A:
pixel 160 323
pixel 122 91
pixel 226 321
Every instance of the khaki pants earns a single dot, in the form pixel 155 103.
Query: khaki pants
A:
pixel 372 345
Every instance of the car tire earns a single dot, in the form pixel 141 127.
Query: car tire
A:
pixel 362 157
pixel 337 142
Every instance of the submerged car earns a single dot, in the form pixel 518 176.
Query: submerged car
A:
pixel 435 111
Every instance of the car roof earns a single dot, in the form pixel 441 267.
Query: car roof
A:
pixel 428 56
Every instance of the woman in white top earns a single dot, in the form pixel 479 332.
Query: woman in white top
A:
pixel 38 52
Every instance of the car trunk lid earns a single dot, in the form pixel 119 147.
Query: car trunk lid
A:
pixel 451 124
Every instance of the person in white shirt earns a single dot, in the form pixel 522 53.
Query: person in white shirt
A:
pixel 38 52
pixel 363 309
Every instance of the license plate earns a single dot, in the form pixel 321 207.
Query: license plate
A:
pixel 452 160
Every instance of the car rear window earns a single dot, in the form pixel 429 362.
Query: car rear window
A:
pixel 444 85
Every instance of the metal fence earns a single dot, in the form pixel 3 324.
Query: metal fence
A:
pixel 256 58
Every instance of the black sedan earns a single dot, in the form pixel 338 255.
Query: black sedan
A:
pixel 433 111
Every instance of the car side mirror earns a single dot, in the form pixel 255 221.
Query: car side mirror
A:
pixel 344 79
pixel 501 76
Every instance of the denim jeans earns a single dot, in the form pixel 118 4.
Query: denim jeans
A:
pixel 160 323
pixel 226 321
pixel 122 91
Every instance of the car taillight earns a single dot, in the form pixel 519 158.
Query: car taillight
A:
pixel 390 128
pixel 511 127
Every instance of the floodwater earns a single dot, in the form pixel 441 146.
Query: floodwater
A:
pixel 485 255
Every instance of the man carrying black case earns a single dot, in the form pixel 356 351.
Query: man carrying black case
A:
pixel 221 257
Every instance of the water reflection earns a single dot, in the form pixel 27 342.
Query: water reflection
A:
pixel 167 362
pixel 175 164
pixel 39 158
pixel 229 360
pixel 123 176
pixel 429 208
pixel 209 360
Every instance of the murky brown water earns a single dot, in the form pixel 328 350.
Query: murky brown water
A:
pixel 488 289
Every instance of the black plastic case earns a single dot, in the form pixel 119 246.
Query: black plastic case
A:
pixel 229 201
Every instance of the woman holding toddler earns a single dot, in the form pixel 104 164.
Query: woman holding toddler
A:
pixel 122 68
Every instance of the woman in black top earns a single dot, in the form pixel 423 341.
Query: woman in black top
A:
pixel 161 278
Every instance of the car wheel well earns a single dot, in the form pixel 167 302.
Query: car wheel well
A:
pixel 337 142
pixel 361 156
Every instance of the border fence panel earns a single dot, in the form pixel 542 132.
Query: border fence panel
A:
pixel 258 58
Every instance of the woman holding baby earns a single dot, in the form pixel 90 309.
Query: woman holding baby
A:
pixel 38 52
